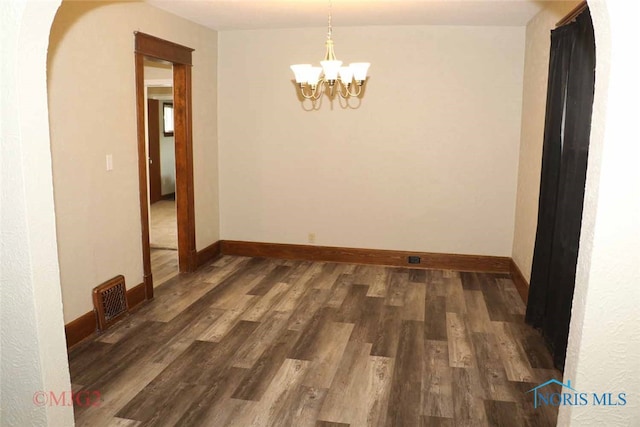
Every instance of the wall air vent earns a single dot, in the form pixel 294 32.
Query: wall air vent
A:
pixel 110 301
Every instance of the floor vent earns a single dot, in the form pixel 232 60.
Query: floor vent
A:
pixel 110 301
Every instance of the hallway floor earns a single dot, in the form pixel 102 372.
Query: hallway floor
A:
pixel 163 231
pixel 258 342
pixel 164 265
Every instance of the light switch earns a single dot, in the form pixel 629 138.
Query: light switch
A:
pixel 109 162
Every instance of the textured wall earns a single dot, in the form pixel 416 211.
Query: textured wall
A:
pixel 604 339
pixel 97 212
pixel 32 345
pixel 534 98
pixel 428 161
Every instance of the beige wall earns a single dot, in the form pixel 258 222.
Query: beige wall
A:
pixel 428 161
pixel 534 98
pixel 97 212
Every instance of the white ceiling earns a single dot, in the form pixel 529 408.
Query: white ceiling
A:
pixel 266 14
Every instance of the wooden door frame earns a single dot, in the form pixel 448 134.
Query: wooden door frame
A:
pixel 180 56
pixel 154 171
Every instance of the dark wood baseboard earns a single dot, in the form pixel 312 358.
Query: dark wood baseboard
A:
pixel 147 281
pixel 192 262
pixel 428 260
pixel 87 324
pixel 208 254
pixel 80 328
pixel 136 296
pixel 518 279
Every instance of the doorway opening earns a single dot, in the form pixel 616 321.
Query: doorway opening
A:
pixel 565 152
pixel 161 171
pixel 160 54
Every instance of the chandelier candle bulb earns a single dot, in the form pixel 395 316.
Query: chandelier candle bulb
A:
pixel 301 71
pixel 313 76
pixel 312 80
pixel 360 71
pixel 330 69
pixel 346 75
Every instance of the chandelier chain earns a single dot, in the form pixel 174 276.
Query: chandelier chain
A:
pixel 329 28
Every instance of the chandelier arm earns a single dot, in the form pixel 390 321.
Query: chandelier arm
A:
pixel 347 92
pixel 319 90
pixel 314 93
pixel 357 93
pixel 305 96
pixel 303 93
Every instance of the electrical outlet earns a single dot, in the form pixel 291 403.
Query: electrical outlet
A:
pixel 414 260
pixel 109 162
pixel 312 237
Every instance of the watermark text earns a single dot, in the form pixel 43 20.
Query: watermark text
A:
pixel 67 398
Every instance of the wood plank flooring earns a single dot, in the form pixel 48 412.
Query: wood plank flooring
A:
pixel 259 342
pixel 163 230
pixel 164 265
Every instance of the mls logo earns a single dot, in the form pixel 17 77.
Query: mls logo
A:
pixel 569 396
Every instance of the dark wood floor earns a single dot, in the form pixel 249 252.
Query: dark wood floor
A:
pixel 164 265
pixel 256 342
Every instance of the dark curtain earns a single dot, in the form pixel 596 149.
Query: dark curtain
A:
pixel 564 166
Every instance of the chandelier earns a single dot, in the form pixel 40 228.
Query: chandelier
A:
pixel 312 81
